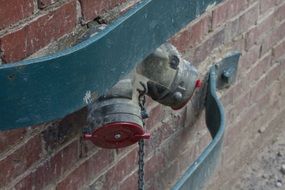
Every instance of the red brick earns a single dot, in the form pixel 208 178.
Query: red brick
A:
pixel 94 8
pixel 226 11
pixel 14 10
pixel 156 163
pixel 51 169
pixel 130 183
pixel 38 33
pixel 20 160
pixel 26 183
pixel 87 170
pixel 202 52
pixel 127 164
pixel 76 180
pixel 9 138
pixel 193 34
pixel 117 173
pixel 109 180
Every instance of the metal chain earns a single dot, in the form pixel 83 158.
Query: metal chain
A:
pixel 141 165
pixel 141 99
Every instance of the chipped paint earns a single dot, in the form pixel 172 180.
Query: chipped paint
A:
pixel 211 6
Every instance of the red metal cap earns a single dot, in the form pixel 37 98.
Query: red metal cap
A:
pixel 117 135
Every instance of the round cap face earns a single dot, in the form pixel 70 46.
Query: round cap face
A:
pixel 117 135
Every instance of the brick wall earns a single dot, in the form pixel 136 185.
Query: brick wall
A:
pixel 53 156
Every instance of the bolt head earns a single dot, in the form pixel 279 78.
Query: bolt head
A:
pixel 174 62
pixel 178 96
pixel 117 136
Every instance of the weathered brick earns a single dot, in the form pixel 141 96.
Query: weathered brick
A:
pixel 250 103
pixel 94 8
pixel 51 169
pixel 279 50
pixel 265 5
pixel 226 11
pixel 38 33
pixel 244 127
pixel 157 114
pixel 86 171
pixel 19 161
pixel 58 133
pixel 10 138
pixel 14 10
pixel 163 131
pixel 153 165
pixel 193 34
pixel 201 52
pixel 256 34
pixel 248 19
pixel 26 183
pixel 169 177
pixel 241 24
pixel 248 148
pixel 187 157
pixel 75 180
pixel 248 59
pixel 130 182
pixel 271 75
pixel 232 30
pixel 261 67
pixel 266 44
pixel 112 178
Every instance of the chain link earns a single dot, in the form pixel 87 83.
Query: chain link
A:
pixel 144 114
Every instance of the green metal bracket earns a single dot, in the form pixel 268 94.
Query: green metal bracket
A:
pixel 47 88
pixel 199 172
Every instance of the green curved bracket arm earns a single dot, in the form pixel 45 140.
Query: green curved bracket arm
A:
pixel 43 89
pixel 199 172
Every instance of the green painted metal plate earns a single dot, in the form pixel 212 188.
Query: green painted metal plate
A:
pixel 48 88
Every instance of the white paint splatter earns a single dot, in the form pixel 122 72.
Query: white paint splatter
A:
pixel 87 98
